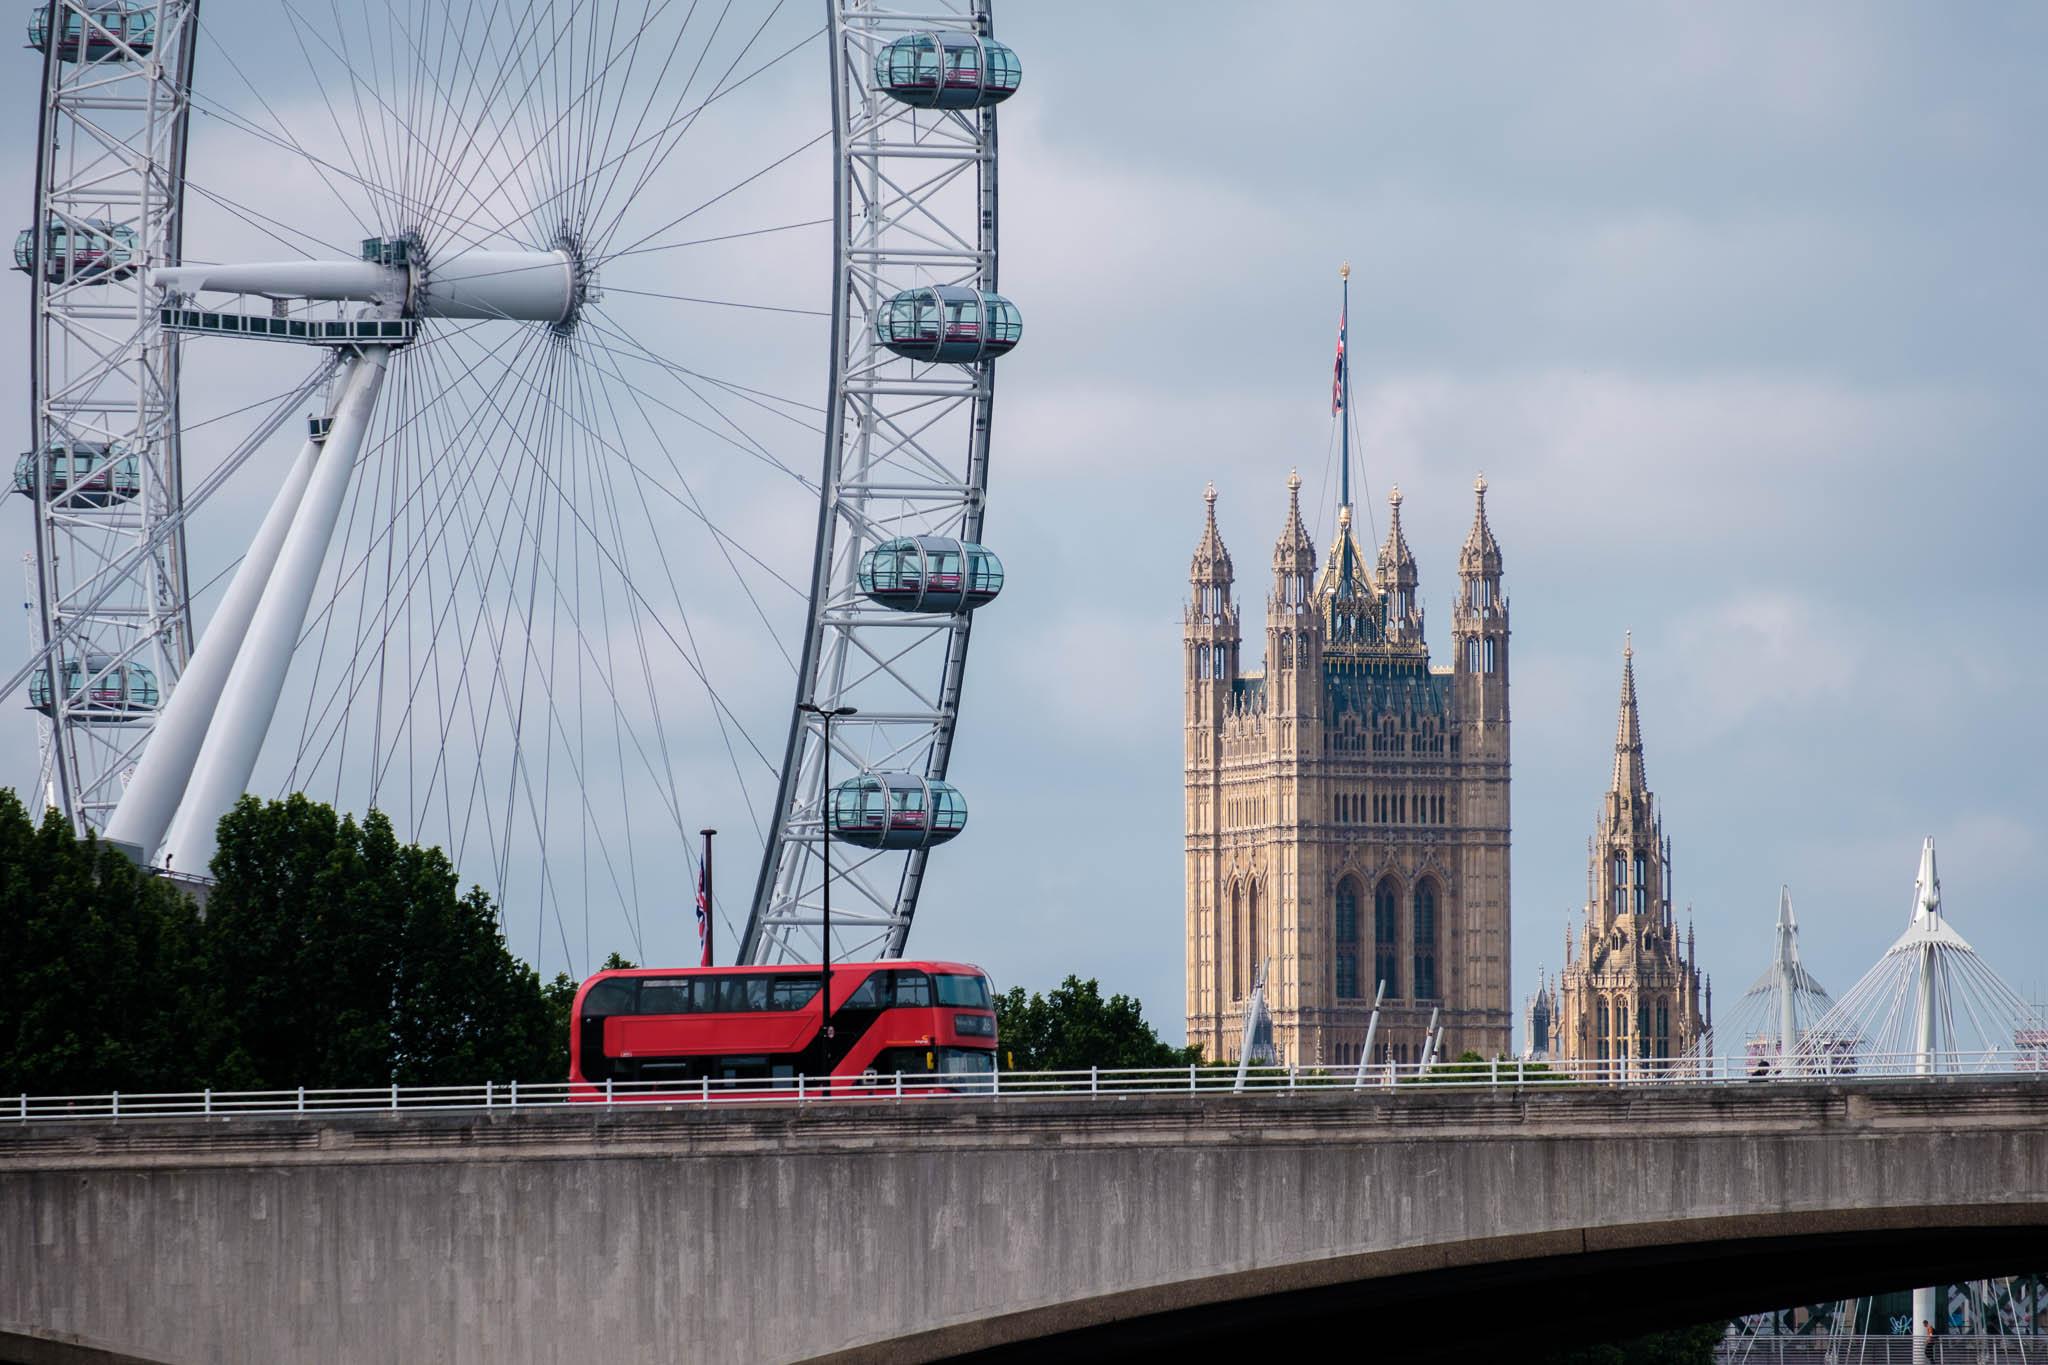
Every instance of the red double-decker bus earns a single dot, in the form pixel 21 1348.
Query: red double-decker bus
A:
pixel 651 1027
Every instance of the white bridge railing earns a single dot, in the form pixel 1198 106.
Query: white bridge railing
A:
pixel 1505 1075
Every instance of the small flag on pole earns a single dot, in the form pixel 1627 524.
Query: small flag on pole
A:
pixel 703 918
pixel 1337 376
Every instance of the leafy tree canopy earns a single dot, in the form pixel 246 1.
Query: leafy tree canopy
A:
pixel 1072 1028
pixel 328 954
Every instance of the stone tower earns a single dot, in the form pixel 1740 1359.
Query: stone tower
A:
pixel 1630 987
pixel 1347 806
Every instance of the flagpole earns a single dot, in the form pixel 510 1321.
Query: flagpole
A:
pixel 1344 381
pixel 710 920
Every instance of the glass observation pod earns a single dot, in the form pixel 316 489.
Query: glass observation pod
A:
pixel 947 71
pixel 950 324
pixel 88 251
pixel 81 473
pixel 895 811
pixel 118 28
pixel 118 692
pixel 930 573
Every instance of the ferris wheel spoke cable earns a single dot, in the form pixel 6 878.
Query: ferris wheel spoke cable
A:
pixel 690 655
pixel 723 541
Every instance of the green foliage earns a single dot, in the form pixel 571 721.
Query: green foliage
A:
pixel 100 965
pixel 328 955
pixel 1680 1346
pixel 1073 1028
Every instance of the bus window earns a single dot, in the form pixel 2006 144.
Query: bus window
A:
pixel 908 1061
pixel 869 994
pixel 911 989
pixel 741 994
pixel 664 997
pixel 792 992
pixel 957 1061
pixel 965 992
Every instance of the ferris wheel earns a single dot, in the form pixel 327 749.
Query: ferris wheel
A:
pixel 552 573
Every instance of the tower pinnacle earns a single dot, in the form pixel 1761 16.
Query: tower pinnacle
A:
pixel 1628 731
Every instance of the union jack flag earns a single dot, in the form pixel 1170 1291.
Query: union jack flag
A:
pixel 1337 376
pixel 703 920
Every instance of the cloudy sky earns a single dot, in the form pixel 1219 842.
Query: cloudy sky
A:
pixel 1741 311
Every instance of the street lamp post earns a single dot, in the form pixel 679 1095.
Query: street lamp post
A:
pixel 826 714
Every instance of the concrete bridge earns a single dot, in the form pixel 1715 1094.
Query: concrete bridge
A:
pixel 1471 1225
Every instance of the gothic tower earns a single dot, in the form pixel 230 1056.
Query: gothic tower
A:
pixel 1630 988
pixel 1347 805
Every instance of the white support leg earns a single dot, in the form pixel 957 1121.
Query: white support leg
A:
pixel 153 793
pixel 249 699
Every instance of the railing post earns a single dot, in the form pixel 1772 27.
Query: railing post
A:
pixel 488 1087
pixel 515 1092
pixel 117 1104
pixel 1191 1078
pixel 1290 1078
pixel 1493 1073
pixel 1518 1073
pixel 607 1092
pixel 704 1089
pixel 206 1100
pixel 394 1097
pixel 24 1106
pixel 1094 1080
pixel 302 1099
pixel 799 1087
pixel 899 1085
pixel 997 1077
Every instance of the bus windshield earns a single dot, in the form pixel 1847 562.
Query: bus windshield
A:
pixel 965 992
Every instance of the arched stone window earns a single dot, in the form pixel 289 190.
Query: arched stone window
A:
pixel 1253 944
pixel 1600 1033
pixel 1425 939
pixel 1237 940
pixel 1346 938
pixel 1386 947
pixel 1663 1028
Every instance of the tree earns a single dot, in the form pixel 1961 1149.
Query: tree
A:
pixel 341 957
pixel 100 965
pixel 1073 1028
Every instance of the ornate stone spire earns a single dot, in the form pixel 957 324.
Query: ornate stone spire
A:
pixel 1397 562
pixel 1294 552
pixel 1212 561
pixel 1481 554
pixel 1628 730
pixel 1397 578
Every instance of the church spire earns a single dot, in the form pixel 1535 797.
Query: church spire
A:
pixel 1628 730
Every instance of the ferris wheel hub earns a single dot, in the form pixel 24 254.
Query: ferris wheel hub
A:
pixel 512 286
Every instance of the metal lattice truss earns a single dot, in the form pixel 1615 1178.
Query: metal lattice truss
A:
pixel 1930 1001
pixel 906 453
pixel 109 582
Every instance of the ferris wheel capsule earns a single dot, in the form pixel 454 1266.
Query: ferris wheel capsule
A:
pixel 82 251
pixel 930 573
pixel 894 811
pixel 97 31
pixel 949 324
pixel 98 690
pixel 947 71
pixel 81 473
